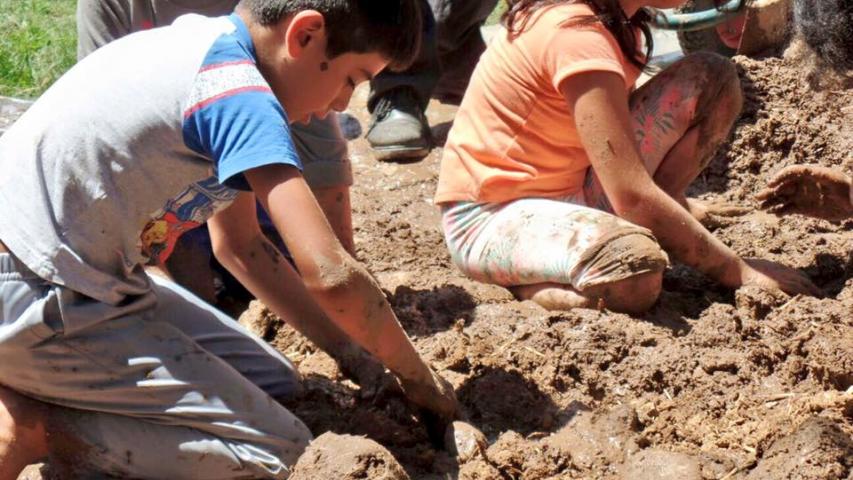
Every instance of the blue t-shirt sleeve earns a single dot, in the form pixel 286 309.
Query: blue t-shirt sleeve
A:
pixel 235 120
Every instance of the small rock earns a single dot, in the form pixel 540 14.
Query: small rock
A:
pixel 647 412
pixel 655 464
pixel 346 457
pixel 259 320
pixel 756 302
pixel 350 126
pixel 464 441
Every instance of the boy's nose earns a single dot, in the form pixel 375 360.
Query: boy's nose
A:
pixel 340 104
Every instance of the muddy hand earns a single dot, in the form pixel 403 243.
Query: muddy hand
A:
pixel 435 395
pixel 464 441
pixel 368 374
pixel 775 276
pixel 437 404
pixel 809 190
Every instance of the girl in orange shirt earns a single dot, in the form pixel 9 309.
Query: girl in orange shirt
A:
pixel 563 183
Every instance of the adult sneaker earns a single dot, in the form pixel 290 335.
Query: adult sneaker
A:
pixel 398 126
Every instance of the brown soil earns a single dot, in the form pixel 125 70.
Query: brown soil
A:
pixel 709 384
pixel 345 457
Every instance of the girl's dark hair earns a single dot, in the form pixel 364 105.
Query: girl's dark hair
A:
pixel 827 26
pixel 392 28
pixel 607 12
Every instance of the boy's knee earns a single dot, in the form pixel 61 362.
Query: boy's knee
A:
pixel 22 428
pixel 714 65
pixel 624 257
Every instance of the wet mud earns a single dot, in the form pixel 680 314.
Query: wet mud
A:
pixel 709 384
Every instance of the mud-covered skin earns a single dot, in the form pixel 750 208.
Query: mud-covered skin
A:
pixel 809 190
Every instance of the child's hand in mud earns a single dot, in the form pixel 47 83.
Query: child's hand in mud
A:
pixel 436 397
pixel 375 381
pixel 809 190
pixel 775 276
pixel 715 214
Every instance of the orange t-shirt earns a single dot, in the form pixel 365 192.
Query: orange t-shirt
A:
pixel 513 135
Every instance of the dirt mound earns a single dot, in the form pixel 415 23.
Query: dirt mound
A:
pixel 709 384
pixel 816 449
pixel 346 457
pixel 706 385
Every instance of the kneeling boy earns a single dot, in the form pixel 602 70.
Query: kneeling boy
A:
pixel 151 381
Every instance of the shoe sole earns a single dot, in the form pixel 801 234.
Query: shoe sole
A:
pixel 385 154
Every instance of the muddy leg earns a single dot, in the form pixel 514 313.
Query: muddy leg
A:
pixel 624 275
pixel 632 295
pixel 22 435
pixel 682 116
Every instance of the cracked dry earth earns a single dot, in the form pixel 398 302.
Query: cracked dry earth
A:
pixel 710 384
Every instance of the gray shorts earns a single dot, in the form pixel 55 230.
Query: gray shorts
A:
pixel 161 386
pixel 323 151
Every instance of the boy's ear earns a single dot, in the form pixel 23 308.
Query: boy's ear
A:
pixel 305 27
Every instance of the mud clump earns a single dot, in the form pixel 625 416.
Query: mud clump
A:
pixel 346 457
pixel 816 450
pixel 719 380
pixel 653 464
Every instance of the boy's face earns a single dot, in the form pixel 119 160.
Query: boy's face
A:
pixel 327 85
pixel 306 81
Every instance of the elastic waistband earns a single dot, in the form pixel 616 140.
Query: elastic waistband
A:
pixel 13 269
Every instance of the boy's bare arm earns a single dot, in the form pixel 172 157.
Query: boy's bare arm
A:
pixel 343 290
pixel 599 104
pixel 244 250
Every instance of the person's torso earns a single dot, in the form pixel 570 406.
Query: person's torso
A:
pixel 147 14
pixel 106 149
pixel 513 135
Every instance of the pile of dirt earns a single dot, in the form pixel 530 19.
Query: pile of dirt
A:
pixel 709 384
pixel 345 457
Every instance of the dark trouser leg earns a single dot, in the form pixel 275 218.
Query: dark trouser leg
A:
pixel 459 44
pixel 422 76
pixel 451 47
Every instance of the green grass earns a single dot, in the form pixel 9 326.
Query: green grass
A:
pixel 495 17
pixel 37 44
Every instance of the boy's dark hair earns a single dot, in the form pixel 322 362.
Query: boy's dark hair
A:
pixel 607 12
pixel 391 28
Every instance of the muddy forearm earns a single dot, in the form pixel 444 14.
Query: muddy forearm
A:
pixel 686 239
pixel 357 305
pixel 265 272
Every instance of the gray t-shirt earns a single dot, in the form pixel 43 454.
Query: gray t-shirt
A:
pixel 99 22
pixel 133 139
